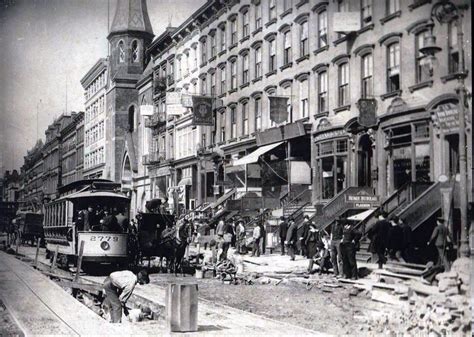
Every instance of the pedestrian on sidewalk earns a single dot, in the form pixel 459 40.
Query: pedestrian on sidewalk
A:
pixel 291 237
pixel 283 230
pixel 118 288
pixel 335 247
pixel 257 234
pixel 311 242
pixel 263 233
pixel 350 241
pixel 378 236
pixel 224 239
pixel 241 234
pixel 302 232
pixel 324 252
pixel 395 240
pixel 442 239
pixel 407 245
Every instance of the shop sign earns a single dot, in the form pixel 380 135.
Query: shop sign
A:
pixel 367 111
pixel 173 98
pixel 362 201
pixel 345 22
pixel 175 109
pixel 447 117
pixel 186 100
pixel 146 110
pixel 329 135
pixel 202 110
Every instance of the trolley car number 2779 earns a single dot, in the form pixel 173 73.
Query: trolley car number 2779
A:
pixel 104 238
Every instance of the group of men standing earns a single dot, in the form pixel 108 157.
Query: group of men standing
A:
pixel 105 220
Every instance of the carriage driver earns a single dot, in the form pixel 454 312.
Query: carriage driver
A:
pixel 118 289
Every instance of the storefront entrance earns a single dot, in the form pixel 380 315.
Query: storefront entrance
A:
pixel 365 155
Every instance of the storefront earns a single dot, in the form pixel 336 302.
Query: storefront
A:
pixel 331 163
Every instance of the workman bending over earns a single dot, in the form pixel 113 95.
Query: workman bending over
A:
pixel 119 287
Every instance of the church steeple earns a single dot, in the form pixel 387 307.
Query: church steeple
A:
pixel 131 16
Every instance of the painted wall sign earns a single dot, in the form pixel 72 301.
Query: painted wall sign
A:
pixel 202 110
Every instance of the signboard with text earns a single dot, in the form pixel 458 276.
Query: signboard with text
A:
pixel 362 201
pixel 202 110
pixel 447 117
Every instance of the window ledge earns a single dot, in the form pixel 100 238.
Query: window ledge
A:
pixel 389 17
pixel 301 3
pixel 302 120
pixel 366 29
pixel 203 64
pixel 222 95
pixel 257 79
pixel 342 108
pixel 285 13
pixel 231 91
pixel 421 85
pixel 243 137
pixel 340 40
pixel 453 76
pixel 194 70
pixel 270 73
pixel 220 143
pixel 245 85
pixel 254 133
pixel 245 38
pixel 222 52
pixel 288 65
pixel 256 31
pixel 302 58
pixel 418 3
pixel 212 58
pixel 321 114
pixel 232 140
pixel 391 94
pixel 232 46
pixel 321 49
pixel 271 22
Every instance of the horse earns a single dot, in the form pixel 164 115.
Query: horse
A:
pixel 173 247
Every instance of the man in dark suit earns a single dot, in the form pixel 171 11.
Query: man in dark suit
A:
pixel 378 236
pixel 441 237
pixel 283 230
pixel 291 238
pixel 302 232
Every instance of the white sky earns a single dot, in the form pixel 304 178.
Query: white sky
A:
pixel 45 44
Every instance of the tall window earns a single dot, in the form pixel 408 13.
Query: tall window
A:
pixel 135 51
pixel 272 9
pixel 323 91
pixel 245 68
pixel 304 43
pixel 343 78
pixel 322 29
pixel 203 85
pixel 272 55
pixel 178 67
pixel 367 76
pixel 213 83
pixel 233 74
pixel 393 6
pixel 245 118
pixel 304 98
pixel 233 31
pixel 195 58
pixel 453 48
pixel 258 114
pixel 366 12
pixel 422 68
pixel 223 80
pixel 258 15
pixel 245 24
pixel 223 127
pixel 233 122
pixel 186 64
pixel 287 47
pixel 223 38
pixel 203 51
pixel 213 45
pixel 121 49
pixel 258 62
pixel 393 67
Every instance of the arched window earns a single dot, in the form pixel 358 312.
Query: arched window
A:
pixel 121 51
pixel 135 52
pixel 131 118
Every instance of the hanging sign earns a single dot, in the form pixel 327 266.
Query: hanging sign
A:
pixel 202 110
pixel 278 109
pixel 446 117
pixel 367 112
pixel 146 110
pixel 173 98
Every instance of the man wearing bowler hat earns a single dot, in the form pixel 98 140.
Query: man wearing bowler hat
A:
pixel 441 238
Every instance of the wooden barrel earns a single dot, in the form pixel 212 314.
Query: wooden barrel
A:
pixel 182 307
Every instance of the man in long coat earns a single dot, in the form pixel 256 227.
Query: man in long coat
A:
pixel 378 236
pixel 291 237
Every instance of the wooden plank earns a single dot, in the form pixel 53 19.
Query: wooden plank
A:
pixel 404 271
pixel 91 288
pixel 423 289
pixel 384 297
pixel 400 276
pixel 407 265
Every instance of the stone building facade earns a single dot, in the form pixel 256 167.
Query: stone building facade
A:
pixel 32 178
pixel 72 149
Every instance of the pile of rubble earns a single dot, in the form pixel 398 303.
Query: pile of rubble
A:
pixel 445 311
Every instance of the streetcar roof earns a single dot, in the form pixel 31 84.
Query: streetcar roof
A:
pixel 94 194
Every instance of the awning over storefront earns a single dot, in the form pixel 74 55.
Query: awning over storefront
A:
pixel 361 216
pixel 253 157
pixel 185 181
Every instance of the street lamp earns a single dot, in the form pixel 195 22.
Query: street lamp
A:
pixel 445 12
